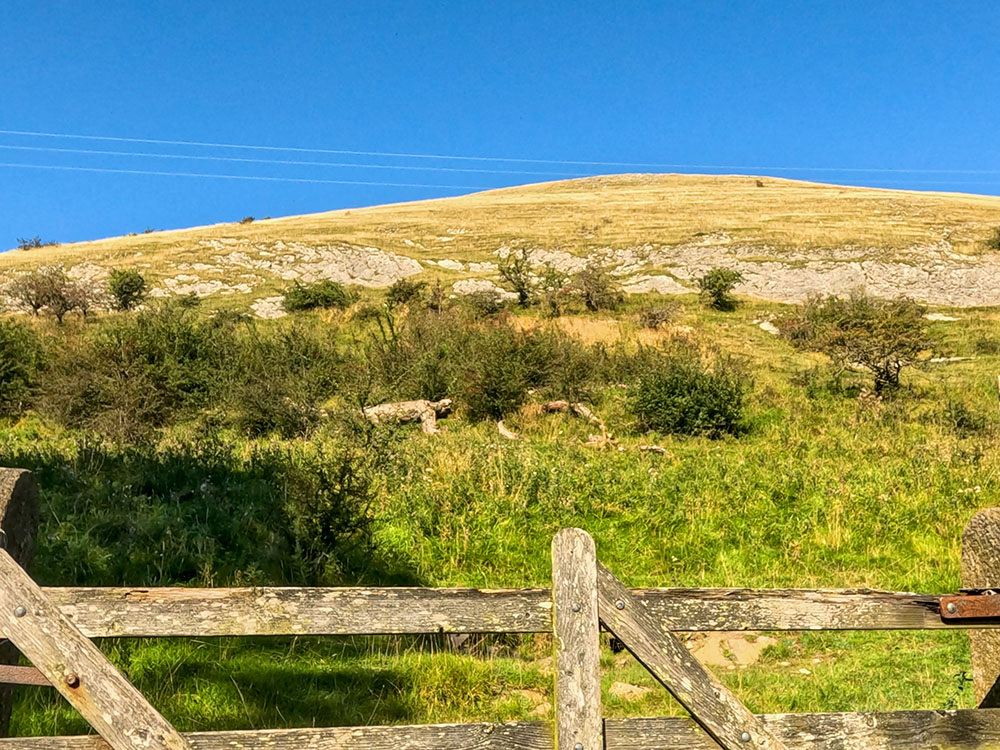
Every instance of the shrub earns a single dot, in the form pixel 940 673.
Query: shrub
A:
pixel 485 303
pixel 716 287
pixel 20 359
pixel 677 393
pixel 30 243
pixel 515 271
pixel 960 419
pixel 405 292
pixel 136 373
pixel 882 336
pixel 658 316
pixel 993 241
pixel 599 290
pixel 284 373
pixel 247 220
pixel 321 294
pixel 127 288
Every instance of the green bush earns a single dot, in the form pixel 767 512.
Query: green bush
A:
pixel 322 294
pixel 677 393
pixel 284 373
pixel 405 292
pixel 658 316
pixel 20 361
pixel 136 373
pixel 127 288
pixel 717 286
pixel 883 336
pixel 485 303
pixel 963 421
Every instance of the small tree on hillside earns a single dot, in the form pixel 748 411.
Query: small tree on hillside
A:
pixel 127 287
pixel 515 271
pixel 50 288
pixel 717 286
pixel 882 336
pixel 30 291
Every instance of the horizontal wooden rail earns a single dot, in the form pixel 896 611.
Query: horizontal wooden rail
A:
pixel 103 612
pixel 975 729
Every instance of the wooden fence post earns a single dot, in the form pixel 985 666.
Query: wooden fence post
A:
pixel 19 523
pixel 981 570
pixel 579 724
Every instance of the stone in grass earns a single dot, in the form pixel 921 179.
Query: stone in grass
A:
pixel 628 692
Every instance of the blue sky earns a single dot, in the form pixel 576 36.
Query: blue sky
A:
pixel 804 89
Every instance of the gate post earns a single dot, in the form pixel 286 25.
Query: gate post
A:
pixel 19 522
pixel 579 724
pixel 981 570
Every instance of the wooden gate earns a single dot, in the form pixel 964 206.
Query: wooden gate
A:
pixel 53 628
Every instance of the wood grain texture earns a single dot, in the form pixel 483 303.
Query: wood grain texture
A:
pixel 977 729
pixel 981 570
pixel 577 642
pixel 711 704
pixel 131 612
pixel 77 668
pixel 19 512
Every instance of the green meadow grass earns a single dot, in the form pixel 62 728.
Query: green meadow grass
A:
pixel 825 490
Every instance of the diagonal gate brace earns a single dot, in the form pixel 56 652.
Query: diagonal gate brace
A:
pixel 712 706
pixel 77 668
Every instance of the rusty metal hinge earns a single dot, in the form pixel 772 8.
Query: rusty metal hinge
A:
pixel 971 604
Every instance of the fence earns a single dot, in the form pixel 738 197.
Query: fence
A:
pixel 53 628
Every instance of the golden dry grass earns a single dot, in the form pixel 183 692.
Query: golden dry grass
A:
pixel 580 215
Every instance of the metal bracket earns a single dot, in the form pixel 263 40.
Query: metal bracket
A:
pixel 14 675
pixel 978 605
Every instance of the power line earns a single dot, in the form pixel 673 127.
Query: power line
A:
pixel 391 154
pixel 245 177
pixel 145 154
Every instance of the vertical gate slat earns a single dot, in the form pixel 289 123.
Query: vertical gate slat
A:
pixel 579 724
pixel 981 570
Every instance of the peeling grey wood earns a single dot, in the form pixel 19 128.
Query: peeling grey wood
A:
pixel 977 729
pixel 577 642
pixel 712 705
pixel 981 570
pixel 130 612
pixel 19 521
pixel 101 612
pixel 77 668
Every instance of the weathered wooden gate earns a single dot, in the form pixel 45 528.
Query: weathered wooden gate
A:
pixel 53 628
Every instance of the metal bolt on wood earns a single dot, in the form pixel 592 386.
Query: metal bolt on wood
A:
pixel 73 680
pixel 578 746
pixel 620 604
pixel 576 607
pixel 745 737
pixel 952 607
pixel 20 611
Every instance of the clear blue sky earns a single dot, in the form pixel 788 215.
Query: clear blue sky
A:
pixel 748 86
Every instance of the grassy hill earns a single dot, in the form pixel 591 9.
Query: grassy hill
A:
pixel 178 447
pixel 788 237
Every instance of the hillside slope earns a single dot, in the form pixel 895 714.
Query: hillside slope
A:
pixel 788 238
